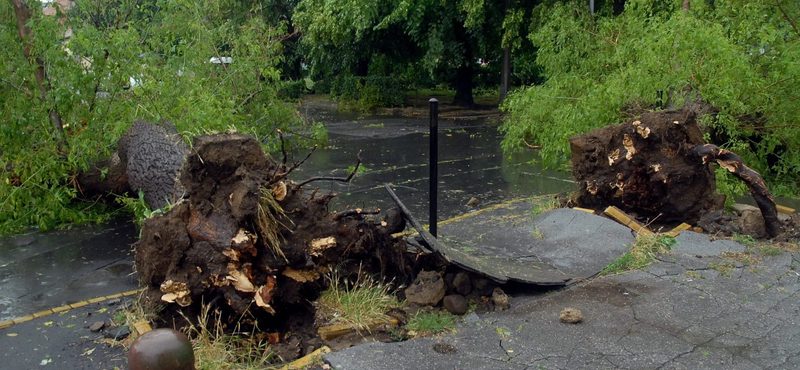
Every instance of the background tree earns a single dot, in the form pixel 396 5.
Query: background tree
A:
pixel 738 59
pixel 445 39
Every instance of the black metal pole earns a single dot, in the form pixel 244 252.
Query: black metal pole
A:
pixel 434 164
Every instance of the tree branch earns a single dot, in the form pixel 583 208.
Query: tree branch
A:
pixel 283 175
pixel 733 163
pixel 786 16
pixel 355 212
pixel 23 14
pixel 19 88
pixel 340 179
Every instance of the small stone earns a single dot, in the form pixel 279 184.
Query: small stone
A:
pixel 448 282
pixel 571 315
pixel 444 348
pixel 394 221
pixel 113 302
pixel 752 223
pixel 500 300
pixel 473 202
pixel 455 304
pixel 119 333
pixel 483 286
pixel 97 326
pixel 461 283
pixel 427 290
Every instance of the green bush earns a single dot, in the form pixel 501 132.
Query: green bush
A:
pixel 291 90
pixel 367 93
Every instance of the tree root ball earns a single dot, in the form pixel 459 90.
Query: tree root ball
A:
pixel 247 243
pixel 642 167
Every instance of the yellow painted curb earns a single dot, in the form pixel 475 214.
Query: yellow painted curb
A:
pixel 587 210
pixel 19 320
pixel 785 210
pixel 61 309
pixel 142 327
pixel 333 331
pixel 78 304
pixel 22 319
pixel 306 361
pixel 677 230
pixel 626 220
pixel 42 313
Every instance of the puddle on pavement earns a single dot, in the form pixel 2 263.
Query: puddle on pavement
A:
pixel 471 165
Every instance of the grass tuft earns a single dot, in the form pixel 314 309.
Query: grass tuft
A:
pixel 267 223
pixel 431 323
pixel 543 205
pixel 357 304
pixel 215 350
pixel 643 252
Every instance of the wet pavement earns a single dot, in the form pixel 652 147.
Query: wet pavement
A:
pixel 703 306
pixel 39 271
pixel 693 309
pixel 395 151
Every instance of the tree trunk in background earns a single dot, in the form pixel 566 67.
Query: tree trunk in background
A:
pixel 505 68
pixel 464 73
pixel 619 6
pixel 23 14
pixel 505 76
pixel 686 6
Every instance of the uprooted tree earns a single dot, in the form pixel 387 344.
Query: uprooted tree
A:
pixel 249 242
pixel 659 168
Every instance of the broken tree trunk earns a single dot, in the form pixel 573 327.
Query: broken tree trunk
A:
pixel 642 167
pixel 250 245
pixel 733 163
pixel 148 159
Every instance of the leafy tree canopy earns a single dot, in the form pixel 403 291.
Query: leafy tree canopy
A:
pixel 741 57
pixel 438 37
pixel 161 50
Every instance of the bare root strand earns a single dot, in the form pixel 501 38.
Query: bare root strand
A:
pixel 758 188
pixel 283 150
pixel 340 179
pixel 355 212
pixel 286 172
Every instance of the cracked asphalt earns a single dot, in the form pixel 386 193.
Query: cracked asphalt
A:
pixel 707 305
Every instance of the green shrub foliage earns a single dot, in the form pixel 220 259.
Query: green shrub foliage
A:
pixel 127 60
pixel 742 57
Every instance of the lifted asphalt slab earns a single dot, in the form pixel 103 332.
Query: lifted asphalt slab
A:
pixel 691 309
pixel 554 248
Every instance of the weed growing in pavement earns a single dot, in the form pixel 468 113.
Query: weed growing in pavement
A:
pixel 745 239
pixel 216 350
pixel 431 323
pixel 774 249
pixel 724 268
pixel 357 304
pixel 543 205
pixel 643 252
